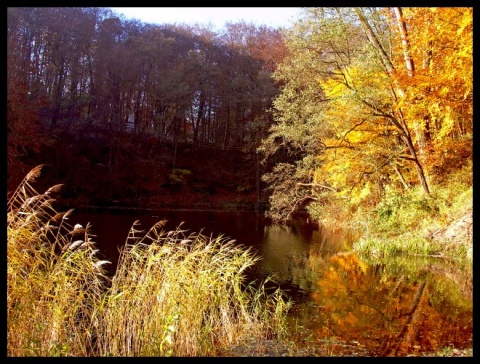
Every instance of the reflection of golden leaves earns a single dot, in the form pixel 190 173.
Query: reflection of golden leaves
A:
pixel 344 281
pixel 357 302
pixel 351 319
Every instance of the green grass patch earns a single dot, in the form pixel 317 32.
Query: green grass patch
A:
pixel 408 244
pixel 406 222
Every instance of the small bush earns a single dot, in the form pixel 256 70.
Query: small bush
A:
pixel 401 212
pixel 179 177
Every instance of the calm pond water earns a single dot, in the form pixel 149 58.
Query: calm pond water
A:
pixel 342 303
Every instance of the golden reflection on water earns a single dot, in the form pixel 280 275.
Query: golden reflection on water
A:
pixel 391 315
pixel 400 308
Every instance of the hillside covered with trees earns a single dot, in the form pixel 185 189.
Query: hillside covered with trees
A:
pixel 341 114
pixel 125 112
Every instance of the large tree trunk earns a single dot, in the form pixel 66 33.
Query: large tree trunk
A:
pixel 406 137
pixel 420 130
pixel 402 28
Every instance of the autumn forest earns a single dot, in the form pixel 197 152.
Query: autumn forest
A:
pixel 348 103
pixel 356 118
pixel 126 111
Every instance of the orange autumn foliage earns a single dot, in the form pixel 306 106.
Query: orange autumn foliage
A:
pixel 356 301
pixel 439 94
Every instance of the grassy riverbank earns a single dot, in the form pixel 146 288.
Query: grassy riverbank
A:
pixel 411 223
pixel 171 295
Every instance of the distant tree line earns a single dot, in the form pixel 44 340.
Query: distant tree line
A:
pixel 87 73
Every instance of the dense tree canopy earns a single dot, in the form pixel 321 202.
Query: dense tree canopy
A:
pixel 86 75
pixel 373 99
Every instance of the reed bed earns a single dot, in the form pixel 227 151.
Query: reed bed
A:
pixel 173 293
pixel 54 278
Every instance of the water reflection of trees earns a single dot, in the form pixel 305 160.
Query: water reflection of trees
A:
pixel 398 306
pixel 400 314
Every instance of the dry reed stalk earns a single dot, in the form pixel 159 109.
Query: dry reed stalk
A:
pixel 172 293
pixel 50 293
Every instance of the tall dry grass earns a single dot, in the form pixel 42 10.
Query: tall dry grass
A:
pixel 173 293
pixel 178 294
pixel 54 278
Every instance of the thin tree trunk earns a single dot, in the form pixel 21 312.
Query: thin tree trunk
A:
pixel 198 120
pixel 395 168
pixel 374 40
pixel 257 180
pixel 418 166
pixel 225 137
